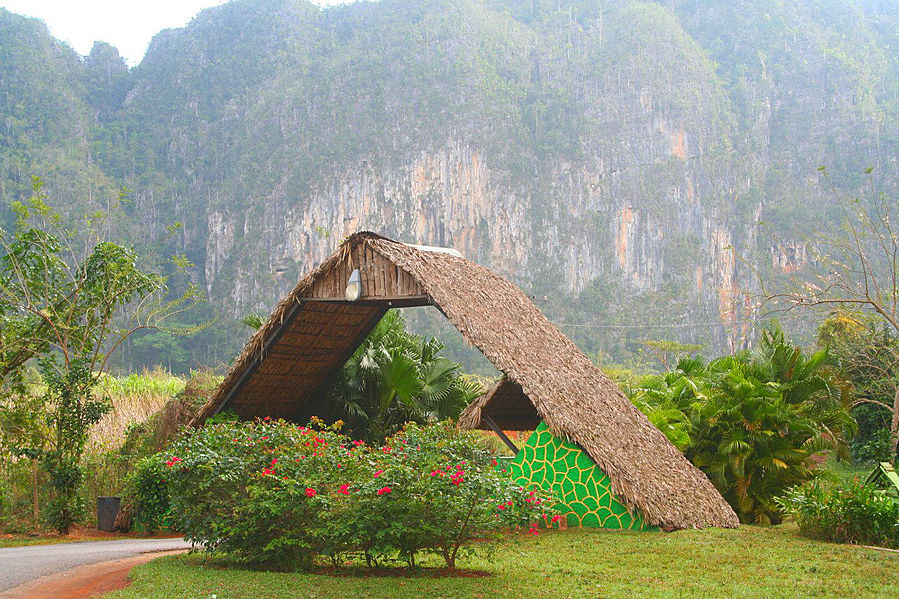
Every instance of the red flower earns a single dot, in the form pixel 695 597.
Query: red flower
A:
pixel 311 492
pixel 171 462
pixel 556 518
pixel 358 443
pixel 344 488
pixel 264 438
pixel 267 471
pixel 378 473
pixel 494 462
pixel 274 461
pixel 384 491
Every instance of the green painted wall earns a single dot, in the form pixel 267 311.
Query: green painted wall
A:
pixel 567 472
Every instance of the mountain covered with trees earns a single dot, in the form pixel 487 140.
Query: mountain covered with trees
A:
pixel 634 166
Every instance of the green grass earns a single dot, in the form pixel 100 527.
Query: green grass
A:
pixel 748 562
pixel 845 472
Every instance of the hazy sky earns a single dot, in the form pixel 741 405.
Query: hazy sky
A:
pixel 126 24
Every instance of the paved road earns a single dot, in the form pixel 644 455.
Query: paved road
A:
pixel 19 565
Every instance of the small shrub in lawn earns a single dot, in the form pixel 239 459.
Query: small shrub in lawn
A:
pixel 280 496
pixel 855 513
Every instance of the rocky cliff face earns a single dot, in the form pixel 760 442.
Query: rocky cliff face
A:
pixel 629 164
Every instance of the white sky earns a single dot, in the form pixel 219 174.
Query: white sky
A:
pixel 126 24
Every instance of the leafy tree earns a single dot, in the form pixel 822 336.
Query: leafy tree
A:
pixel 868 352
pixel 69 313
pixel 857 269
pixel 396 376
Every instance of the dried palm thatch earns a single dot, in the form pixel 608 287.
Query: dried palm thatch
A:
pixel 314 330
pixel 506 404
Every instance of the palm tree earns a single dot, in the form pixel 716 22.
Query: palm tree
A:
pixel 751 422
pixel 396 376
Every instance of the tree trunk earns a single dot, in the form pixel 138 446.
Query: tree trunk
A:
pixel 35 507
pixel 894 426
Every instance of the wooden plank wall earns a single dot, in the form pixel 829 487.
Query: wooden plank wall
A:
pixel 381 279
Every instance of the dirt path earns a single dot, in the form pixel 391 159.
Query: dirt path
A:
pixel 82 582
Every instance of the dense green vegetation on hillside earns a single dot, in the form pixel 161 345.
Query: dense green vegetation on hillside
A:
pixel 244 136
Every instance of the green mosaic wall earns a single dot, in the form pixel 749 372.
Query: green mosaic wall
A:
pixel 567 472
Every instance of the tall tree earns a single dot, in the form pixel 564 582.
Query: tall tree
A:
pixel 856 268
pixel 69 313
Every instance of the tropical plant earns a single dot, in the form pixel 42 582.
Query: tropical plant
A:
pixel 854 513
pixel 396 376
pixel 753 421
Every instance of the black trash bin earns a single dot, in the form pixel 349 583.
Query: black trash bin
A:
pixel 107 510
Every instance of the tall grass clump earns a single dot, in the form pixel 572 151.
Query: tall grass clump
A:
pixel 135 398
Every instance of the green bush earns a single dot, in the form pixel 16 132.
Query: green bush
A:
pixel 856 513
pixel 755 423
pixel 147 492
pixel 281 496
pixel 876 447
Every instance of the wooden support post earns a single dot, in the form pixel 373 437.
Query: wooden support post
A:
pixel 499 432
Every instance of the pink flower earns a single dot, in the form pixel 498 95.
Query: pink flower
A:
pixel 556 518
pixel 384 491
pixel 311 492
pixel 358 443
pixel 378 473
pixel 501 506
pixel 344 488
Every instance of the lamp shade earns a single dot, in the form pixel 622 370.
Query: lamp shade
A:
pixel 354 286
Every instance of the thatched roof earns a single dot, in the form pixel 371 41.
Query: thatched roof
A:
pixel 313 331
pixel 506 404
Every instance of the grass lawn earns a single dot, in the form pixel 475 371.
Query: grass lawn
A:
pixel 748 562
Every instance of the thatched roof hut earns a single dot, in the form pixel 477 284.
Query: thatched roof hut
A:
pixel 314 330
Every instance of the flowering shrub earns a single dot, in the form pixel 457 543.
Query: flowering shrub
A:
pixel 279 495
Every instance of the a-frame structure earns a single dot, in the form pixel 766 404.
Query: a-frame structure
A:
pixel 313 331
